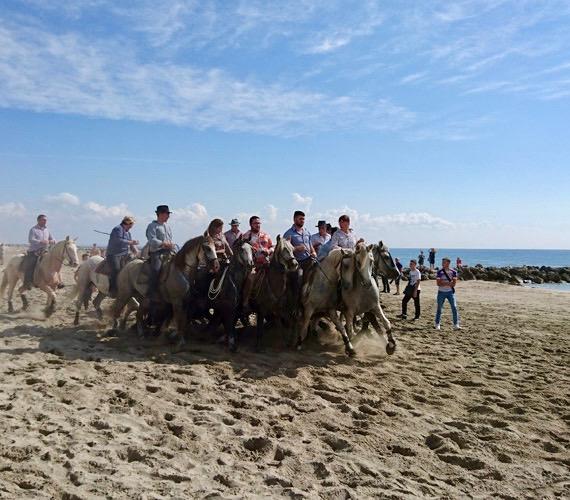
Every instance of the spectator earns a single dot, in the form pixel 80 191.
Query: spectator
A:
pixel 398 279
pixel 421 259
pixel 446 281
pixel 431 259
pixel 458 263
pixel 412 291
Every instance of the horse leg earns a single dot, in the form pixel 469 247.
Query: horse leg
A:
pixel 97 305
pixel 391 342
pixel 25 303
pixel 132 305
pixel 50 304
pixel 117 309
pixel 349 317
pixel 10 294
pixel 179 313
pixel 230 329
pixel 303 326
pixel 259 319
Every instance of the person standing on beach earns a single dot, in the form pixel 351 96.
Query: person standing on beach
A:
pixel 412 291
pixel 421 259
pixel 399 278
pixel 446 281
pixel 431 259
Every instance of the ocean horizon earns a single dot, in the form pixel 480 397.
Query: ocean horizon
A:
pixel 489 257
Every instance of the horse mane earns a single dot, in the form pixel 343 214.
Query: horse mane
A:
pixel 180 257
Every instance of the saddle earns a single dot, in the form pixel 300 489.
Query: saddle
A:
pixel 105 268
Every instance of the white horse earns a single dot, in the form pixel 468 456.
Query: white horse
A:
pixel 46 274
pixel 86 276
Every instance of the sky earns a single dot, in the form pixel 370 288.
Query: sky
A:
pixel 440 123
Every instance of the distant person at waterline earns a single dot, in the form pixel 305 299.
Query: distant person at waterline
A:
pixel 431 259
pixel 446 281
pixel 421 259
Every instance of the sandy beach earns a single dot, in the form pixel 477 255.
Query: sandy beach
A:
pixel 480 413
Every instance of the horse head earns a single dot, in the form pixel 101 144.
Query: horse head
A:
pixel 284 254
pixel 363 262
pixel 209 248
pixel 383 261
pixel 70 251
pixel 243 254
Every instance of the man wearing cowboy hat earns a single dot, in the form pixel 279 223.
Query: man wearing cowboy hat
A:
pixel 234 233
pixel 321 237
pixel 159 236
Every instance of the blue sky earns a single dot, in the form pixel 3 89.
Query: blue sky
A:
pixel 431 123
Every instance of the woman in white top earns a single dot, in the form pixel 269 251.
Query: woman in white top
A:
pixel 344 237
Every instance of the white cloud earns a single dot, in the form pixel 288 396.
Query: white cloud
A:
pixel 104 211
pixel 67 73
pixel 195 212
pixel 369 221
pixel 63 198
pixel 13 208
pixel 302 201
pixel 271 213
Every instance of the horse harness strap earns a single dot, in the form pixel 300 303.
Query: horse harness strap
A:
pixel 215 289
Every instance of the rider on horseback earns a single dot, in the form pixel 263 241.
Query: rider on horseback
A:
pixel 159 236
pixel 262 247
pixel 305 254
pixel 39 238
pixel 120 242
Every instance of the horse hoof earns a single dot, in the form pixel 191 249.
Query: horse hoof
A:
pixel 350 351
pixel 49 311
pixel 112 333
pixel 76 320
pixel 233 347
pixel 99 314
pixel 390 347
pixel 10 307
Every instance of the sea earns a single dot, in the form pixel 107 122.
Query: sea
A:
pixel 495 257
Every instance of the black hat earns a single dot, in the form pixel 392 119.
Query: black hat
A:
pixel 321 223
pixel 163 209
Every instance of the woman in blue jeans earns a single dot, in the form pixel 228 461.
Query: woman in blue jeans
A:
pixel 446 281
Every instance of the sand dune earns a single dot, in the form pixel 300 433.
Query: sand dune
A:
pixel 483 412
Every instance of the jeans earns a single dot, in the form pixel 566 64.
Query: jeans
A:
pixel 406 299
pixel 30 261
pixel 155 267
pixel 441 298
pixel 115 264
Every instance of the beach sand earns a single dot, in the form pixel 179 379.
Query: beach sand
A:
pixel 483 412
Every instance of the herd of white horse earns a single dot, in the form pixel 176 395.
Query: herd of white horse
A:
pixel 341 287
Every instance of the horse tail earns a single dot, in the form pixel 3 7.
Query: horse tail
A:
pixel 4 283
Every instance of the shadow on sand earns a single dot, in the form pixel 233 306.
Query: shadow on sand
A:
pixel 86 343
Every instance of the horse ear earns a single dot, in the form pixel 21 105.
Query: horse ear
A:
pixel 75 239
pixel 67 238
pixel 381 244
pixel 369 247
pixel 278 238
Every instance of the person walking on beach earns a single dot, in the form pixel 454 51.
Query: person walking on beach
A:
pixel 431 259
pixel 412 291
pixel 446 281
pixel 458 263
